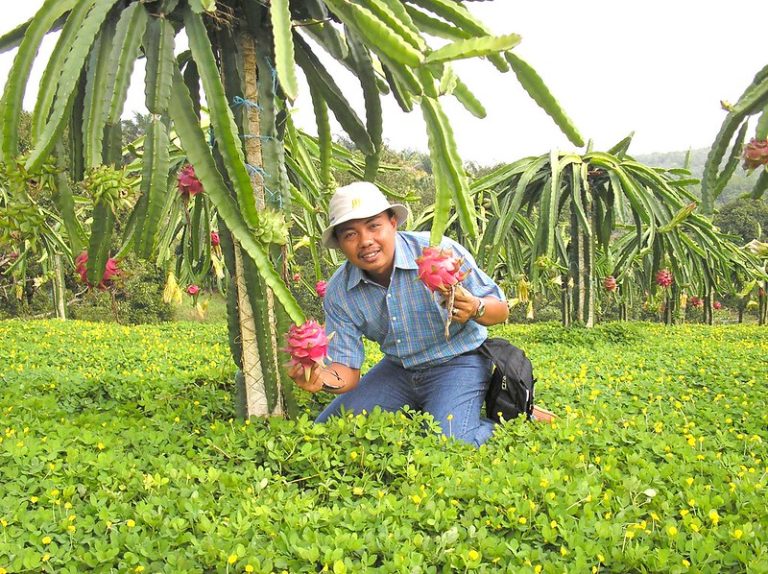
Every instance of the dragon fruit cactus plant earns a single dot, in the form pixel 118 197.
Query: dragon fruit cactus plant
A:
pixel 307 345
pixel 441 271
pixel 664 278
pixel 320 288
pixel 610 283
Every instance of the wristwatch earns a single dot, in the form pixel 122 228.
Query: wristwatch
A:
pixel 480 309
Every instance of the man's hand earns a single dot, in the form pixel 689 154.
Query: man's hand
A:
pixel 335 378
pixel 310 381
pixel 464 304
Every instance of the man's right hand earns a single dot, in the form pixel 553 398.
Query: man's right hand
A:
pixel 311 384
pixel 335 378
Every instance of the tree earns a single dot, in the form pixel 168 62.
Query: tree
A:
pixel 242 57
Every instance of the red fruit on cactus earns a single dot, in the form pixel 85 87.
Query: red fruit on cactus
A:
pixel 215 240
pixel 717 305
pixel 761 292
pixel 193 289
pixel 695 301
pixel 755 154
pixel 296 277
pixel 189 185
pixel 664 278
pixel 320 288
pixel 307 345
pixel 610 283
pixel 111 270
pixel 439 269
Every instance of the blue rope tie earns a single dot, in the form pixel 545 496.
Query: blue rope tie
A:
pixel 264 138
pixel 237 101
pixel 255 170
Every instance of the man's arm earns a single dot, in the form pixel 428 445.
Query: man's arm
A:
pixel 466 307
pixel 335 378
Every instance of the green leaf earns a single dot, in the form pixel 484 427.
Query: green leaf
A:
pixel 128 34
pixel 158 45
pixel 223 122
pixel 284 54
pixel 468 99
pixel 49 81
pixel 68 82
pixel 194 142
pixel 13 95
pixel 154 177
pixel 378 35
pixel 534 85
pixel 323 81
pixel 473 48
pixel 450 179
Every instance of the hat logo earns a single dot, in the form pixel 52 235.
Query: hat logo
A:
pixel 356 202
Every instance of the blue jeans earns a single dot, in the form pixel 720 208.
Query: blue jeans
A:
pixel 451 392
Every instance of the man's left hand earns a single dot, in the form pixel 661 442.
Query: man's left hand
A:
pixel 464 305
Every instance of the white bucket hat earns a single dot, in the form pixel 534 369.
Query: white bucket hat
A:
pixel 358 200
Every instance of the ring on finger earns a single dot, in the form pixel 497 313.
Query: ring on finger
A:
pixel 454 311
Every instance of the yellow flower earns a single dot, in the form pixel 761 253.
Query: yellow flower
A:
pixel 248 568
pixel 46 557
pixel 522 520
pixel 563 551
pixel 737 534
pixel 100 446
pixel 130 523
pixel 232 558
pixel 689 481
pixel 47 540
pixel 33 499
pixel 55 493
pixel 139 569
pixel 553 524
pixel 672 531
pixel 538 569
pixel 3 571
pixel 416 499
pixel 71 528
pixel 714 516
pixel 630 534
pixel 353 455
pixel 473 555
pixel 601 558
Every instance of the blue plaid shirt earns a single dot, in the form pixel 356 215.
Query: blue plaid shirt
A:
pixel 406 319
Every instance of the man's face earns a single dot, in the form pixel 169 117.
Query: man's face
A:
pixel 370 244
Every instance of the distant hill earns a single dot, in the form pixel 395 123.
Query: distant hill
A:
pixel 740 183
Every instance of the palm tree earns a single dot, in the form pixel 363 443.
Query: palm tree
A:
pixel 241 64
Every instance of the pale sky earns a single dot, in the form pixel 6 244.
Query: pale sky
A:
pixel 656 67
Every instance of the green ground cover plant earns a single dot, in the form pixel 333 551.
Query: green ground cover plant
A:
pixel 119 452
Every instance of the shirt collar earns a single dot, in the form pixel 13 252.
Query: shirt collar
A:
pixel 405 258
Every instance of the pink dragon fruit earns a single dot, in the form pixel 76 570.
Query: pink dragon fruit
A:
pixel 193 289
pixel 439 269
pixel 755 153
pixel 307 345
pixel 296 277
pixel 215 239
pixel 610 283
pixel 320 288
pixel 717 305
pixel 111 270
pixel 664 278
pixel 695 301
pixel 189 185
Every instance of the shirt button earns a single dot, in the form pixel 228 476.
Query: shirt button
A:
pixel 394 318
pixel 398 340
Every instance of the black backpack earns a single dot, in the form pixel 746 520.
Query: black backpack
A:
pixel 510 392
